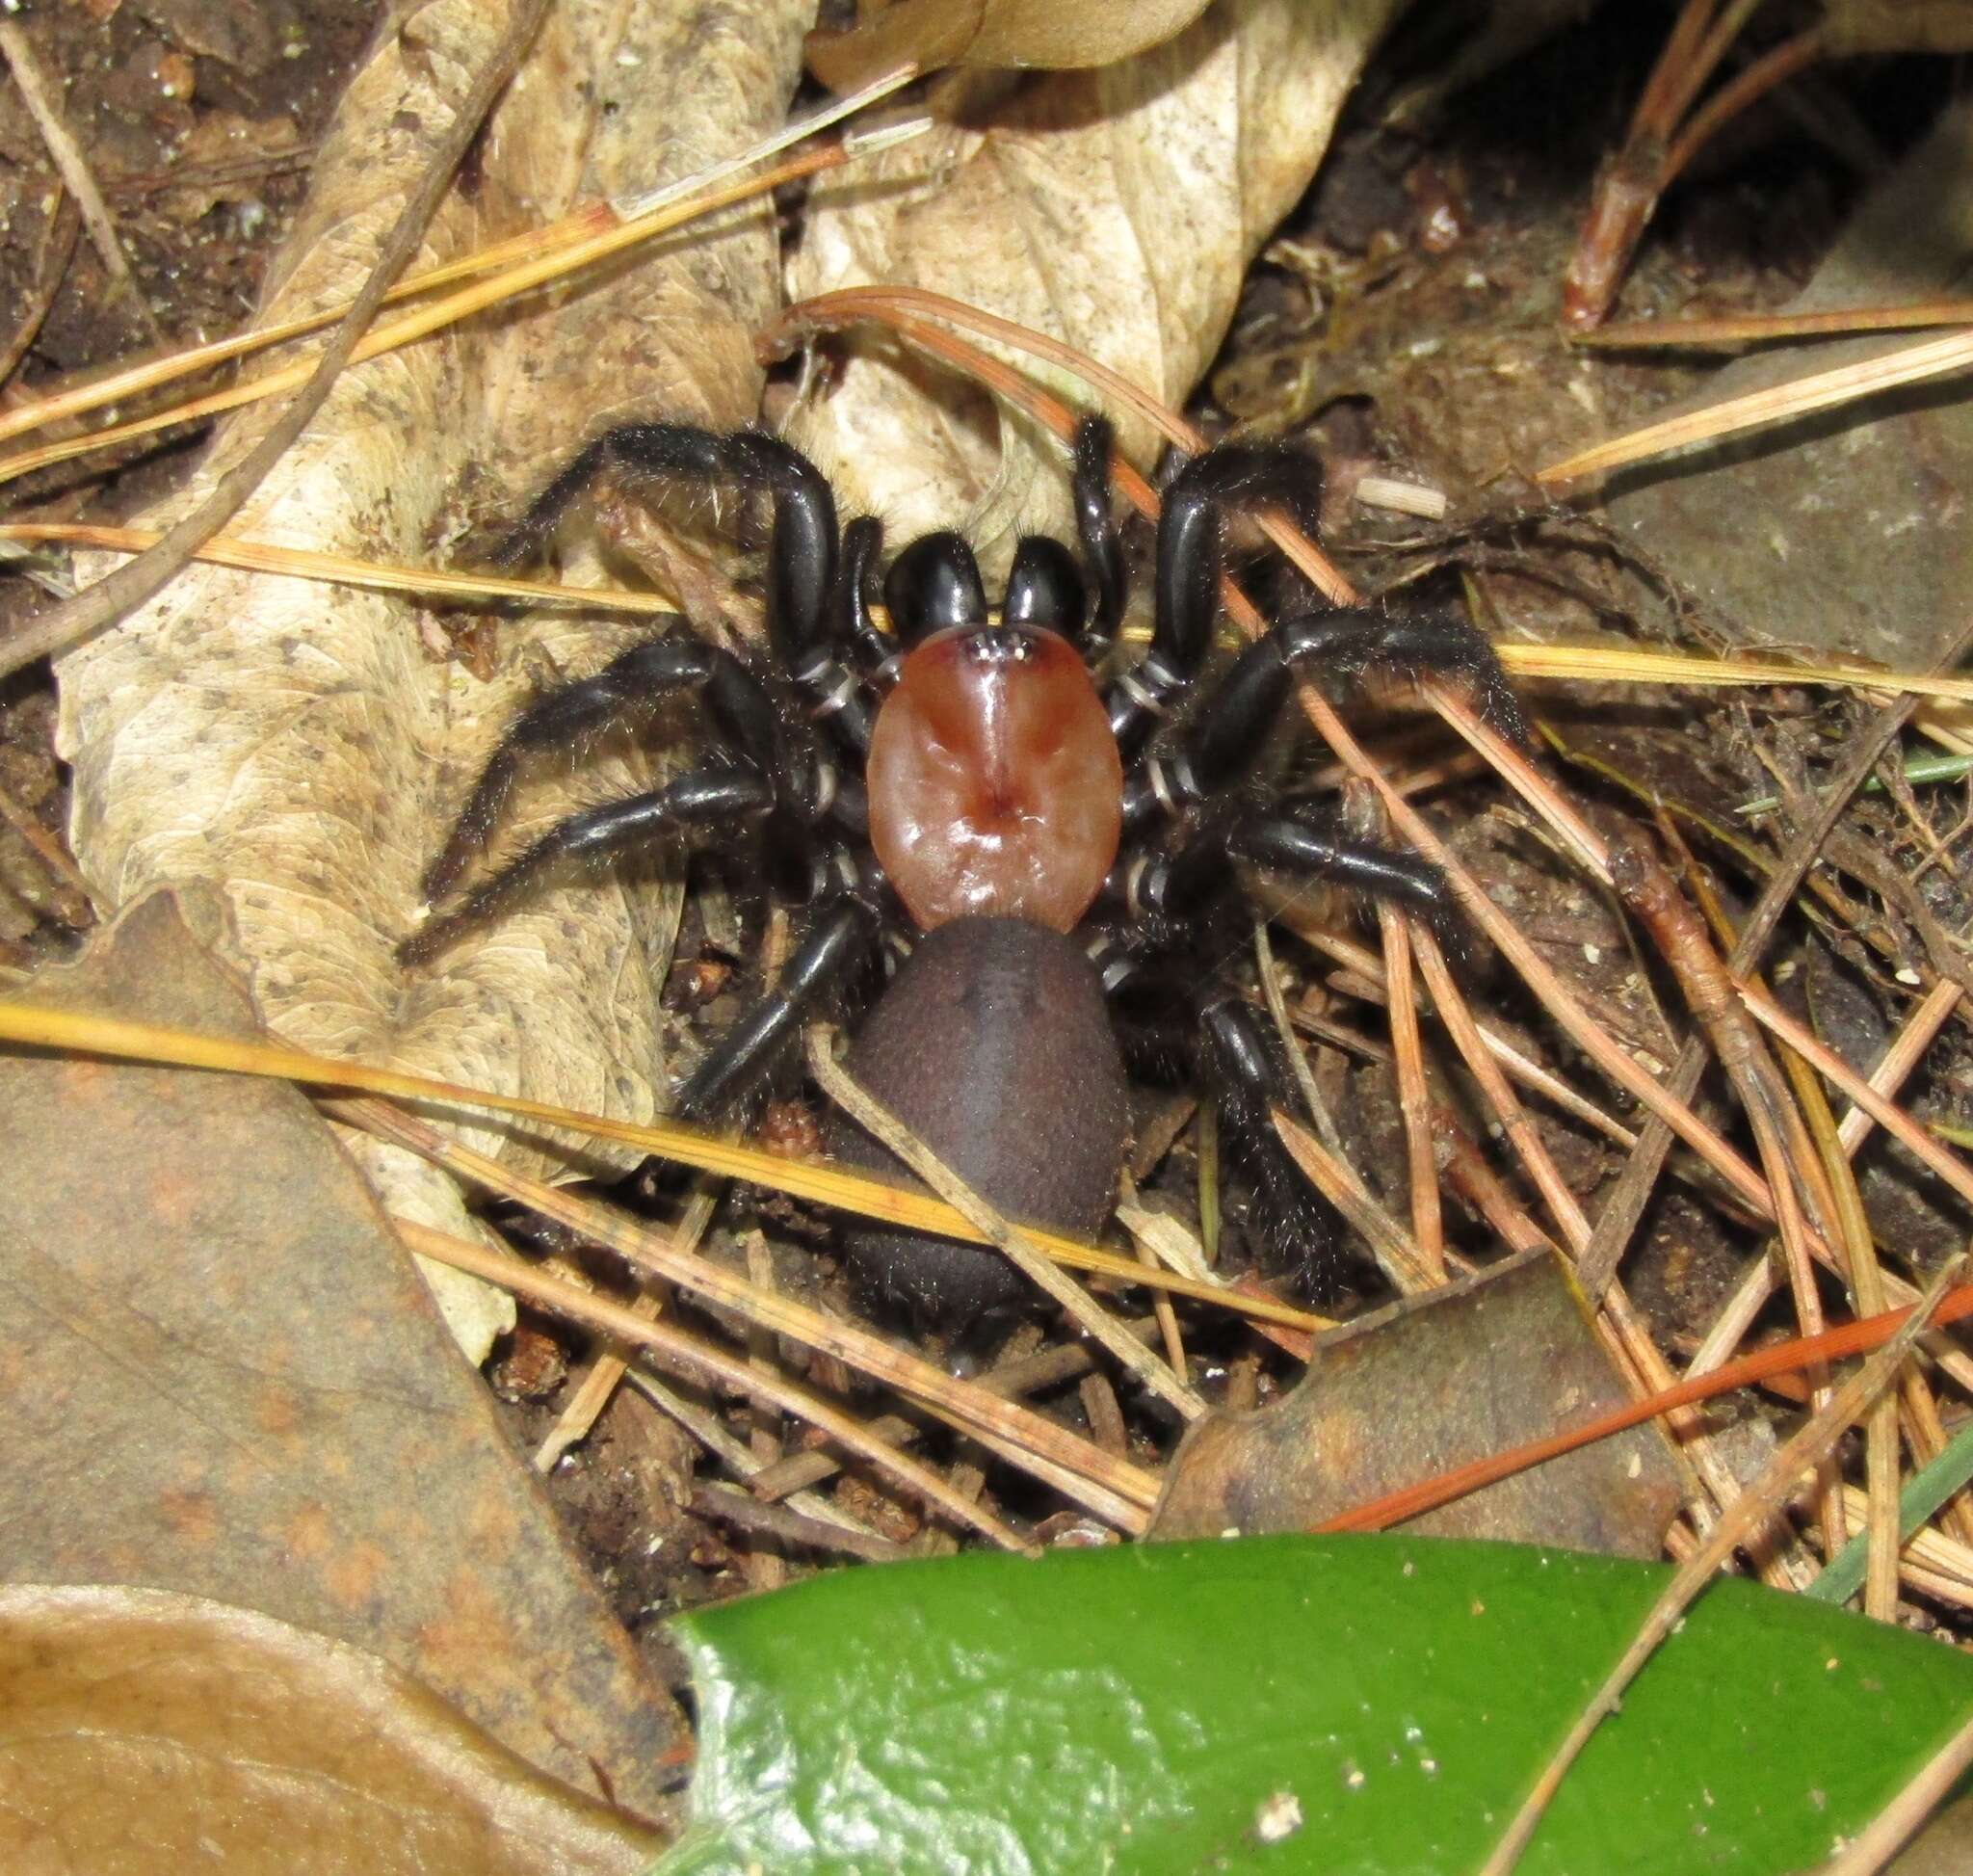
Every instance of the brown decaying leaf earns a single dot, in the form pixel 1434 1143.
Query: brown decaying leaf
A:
pixel 1117 209
pixel 1896 26
pixel 222 1378
pixel 933 33
pixel 301 750
pixel 150 1730
pixel 1421 1387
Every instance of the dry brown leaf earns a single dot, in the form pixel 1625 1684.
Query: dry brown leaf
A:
pixel 208 1320
pixel 1898 25
pixel 1117 209
pixel 148 1731
pixel 932 33
pixel 1419 1388
pixel 302 748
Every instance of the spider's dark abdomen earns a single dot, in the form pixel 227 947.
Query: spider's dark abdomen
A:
pixel 994 1046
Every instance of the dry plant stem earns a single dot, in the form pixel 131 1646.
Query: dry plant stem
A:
pixel 1763 1501
pixel 1022 1251
pixel 1949 1167
pixel 1519 1067
pixel 592 1393
pixel 1774 67
pixel 119 593
pixel 1756 410
pixel 343 570
pixel 79 906
pixel 723 1505
pixel 1414 1101
pixel 42 103
pixel 51 268
pixel 1626 1335
pixel 1049 1367
pixel 1751 329
pixel 429 318
pixel 1907 1051
pixel 825 1184
pixel 1114 1492
pixel 1401 1260
pixel 1653 898
pixel 1881 1838
pixel 1626 1203
pixel 706 1363
pixel 710 1430
pixel 593 221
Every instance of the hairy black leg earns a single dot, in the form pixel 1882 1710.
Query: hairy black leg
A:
pixel 1234 479
pixel 1242 1063
pixel 1162 893
pixel 703 798
pixel 850 621
pixel 1221 744
pixel 1171 1027
pixel 567 718
pixel 1096 526
pixel 802 552
pixel 839 936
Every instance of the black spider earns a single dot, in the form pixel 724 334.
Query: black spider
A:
pixel 993 795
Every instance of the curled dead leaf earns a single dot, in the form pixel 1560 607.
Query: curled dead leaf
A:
pixel 150 1730
pixel 932 33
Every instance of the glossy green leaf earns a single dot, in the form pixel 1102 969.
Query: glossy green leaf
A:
pixel 1166 1707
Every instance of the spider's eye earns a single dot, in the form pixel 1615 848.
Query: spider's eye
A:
pixel 1043 586
pixel 935 583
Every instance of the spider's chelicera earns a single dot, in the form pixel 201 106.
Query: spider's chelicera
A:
pixel 1056 841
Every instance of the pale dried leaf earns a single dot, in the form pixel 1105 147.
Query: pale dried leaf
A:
pixel 933 33
pixel 150 1730
pixel 1851 26
pixel 300 747
pixel 1116 209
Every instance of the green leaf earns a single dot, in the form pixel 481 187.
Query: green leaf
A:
pixel 1140 1709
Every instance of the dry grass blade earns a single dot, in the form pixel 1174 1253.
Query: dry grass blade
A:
pixel 1754 329
pixel 344 570
pixel 1805 1451
pixel 592 232
pixel 1734 416
pixel 708 1362
pixel 1610 664
pixel 1414 1100
pixel 1015 1244
pixel 823 1184
pixel 1114 1489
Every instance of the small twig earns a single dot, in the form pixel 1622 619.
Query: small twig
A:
pixel 592 1393
pixel 130 585
pixel 51 268
pixel 705 1360
pixel 1414 1099
pixel 1033 1262
pixel 724 1505
pixel 39 97
pixel 1112 1491
pixel 1764 1500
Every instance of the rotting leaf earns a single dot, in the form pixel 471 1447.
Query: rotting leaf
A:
pixel 304 749
pixel 933 33
pixel 148 1731
pixel 225 1378
pixel 1419 1388
pixel 1851 26
pixel 1855 506
pixel 1116 209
